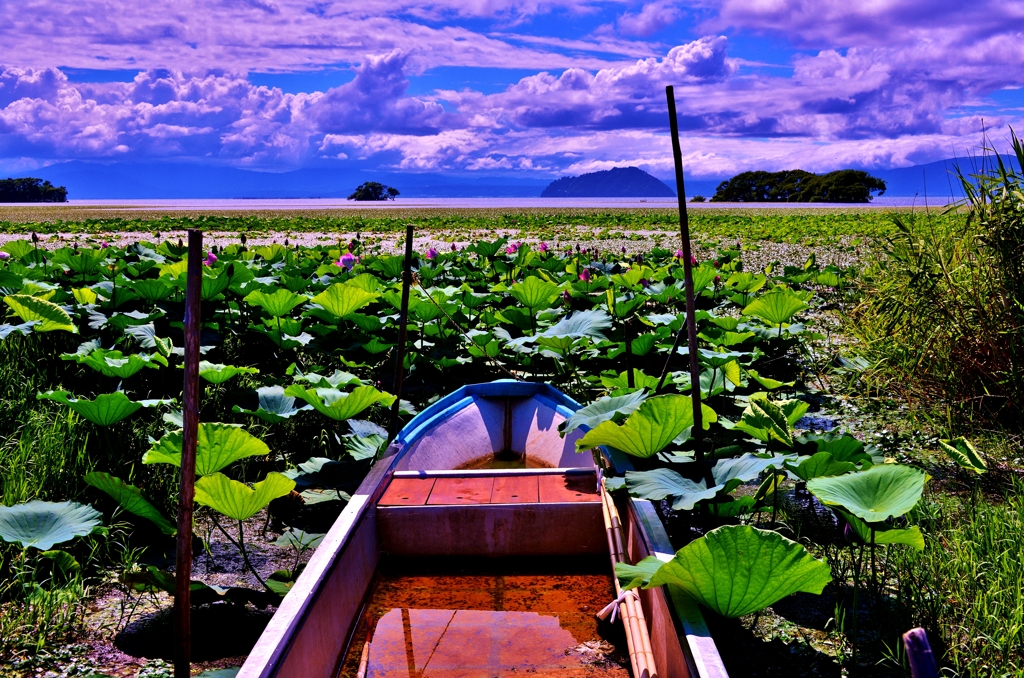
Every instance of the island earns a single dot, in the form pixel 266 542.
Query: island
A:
pixel 618 182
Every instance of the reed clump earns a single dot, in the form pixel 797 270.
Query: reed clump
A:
pixel 941 317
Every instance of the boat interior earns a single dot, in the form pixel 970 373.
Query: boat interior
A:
pixel 477 546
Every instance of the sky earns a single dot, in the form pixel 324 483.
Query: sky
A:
pixel 508 86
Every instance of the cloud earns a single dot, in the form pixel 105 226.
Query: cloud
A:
pixel 652 18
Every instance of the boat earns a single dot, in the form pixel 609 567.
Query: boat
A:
pixel 481 475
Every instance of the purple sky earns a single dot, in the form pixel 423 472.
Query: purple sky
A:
pixel 558 86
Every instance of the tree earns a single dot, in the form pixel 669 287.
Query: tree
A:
pixel 373 190
pixel 799 186
pixel 30 189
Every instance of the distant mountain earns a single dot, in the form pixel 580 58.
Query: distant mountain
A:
pixel 618 182
pixel 139 181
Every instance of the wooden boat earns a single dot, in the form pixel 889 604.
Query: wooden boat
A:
pixel 439 490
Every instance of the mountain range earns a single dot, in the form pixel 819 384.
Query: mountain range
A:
pixel 97 181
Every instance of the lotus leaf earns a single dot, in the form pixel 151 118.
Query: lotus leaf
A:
pixel 217 446
pixel 632 576
pixel 338 405
pixel 115 364
pixel 732 472
pixel 106 409
pixel 274 406
pixel 130 498
pixel 736 570
pixel 339 300
pixel 218 374
pixel 777 307
pixel 41 524
pixel 237 500
pixel 877 494
pixel 48 316
pixel 278 304
pixel 820 465
pixel 964 453
pixel 884 535
pixel 603 409
pixel 25 329
pixel 660 483
pixel 650 428
pixel 534 293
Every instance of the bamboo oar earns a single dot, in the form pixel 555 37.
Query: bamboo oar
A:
pixel 364 659
pixel 641 656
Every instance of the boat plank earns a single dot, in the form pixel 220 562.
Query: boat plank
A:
pixel 459 491
pixel 516 490
pixel 407 492
pixel 556 489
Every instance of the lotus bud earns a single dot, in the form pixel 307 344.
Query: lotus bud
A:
pixel 512 248
pixel 211 259
pixel 286 242
pixel 103 244
pixel 4 256
pixel 679 254
pixel 543 247
pixel 35 238
pixel 431 254
pixel 352 244
pixel 455 248
pixel 623 249
pixel 717 265
pixel 347 261
pixel 242 239
pixel 693 260
pixel 718 279
pixel 585 275
pixel 566 296
pixel 645 283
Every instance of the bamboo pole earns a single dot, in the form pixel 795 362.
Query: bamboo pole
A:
pixel 364 658
pixel 638 641
pixel 402 333
pixel 691 317
pixel 190 429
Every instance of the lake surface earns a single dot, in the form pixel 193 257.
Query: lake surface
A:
pixel 465 203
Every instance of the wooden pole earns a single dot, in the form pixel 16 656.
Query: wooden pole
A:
pixel 691 316
pixel 186 492
pixel 919 654
pixel 403 319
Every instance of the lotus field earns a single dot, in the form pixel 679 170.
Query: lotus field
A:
pixel 298 360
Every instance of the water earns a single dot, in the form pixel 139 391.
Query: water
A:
pixel 214 205
pixel 504 461
pixel 495 619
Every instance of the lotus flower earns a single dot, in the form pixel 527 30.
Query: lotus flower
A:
pixel 585 275
pixel 693 260
pixel 352 245
pixel 104 244
pixel 455 248
pixel 347 261
pixel 679 254
pixel 543 247
pixel 431 254
pixel 718 279
pixel 512 248
pixel 211 259
pixel 645 283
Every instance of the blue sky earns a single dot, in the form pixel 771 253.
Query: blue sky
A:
pixel 508 86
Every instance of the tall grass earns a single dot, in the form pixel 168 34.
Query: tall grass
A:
pixel 942 311
pixel 967 587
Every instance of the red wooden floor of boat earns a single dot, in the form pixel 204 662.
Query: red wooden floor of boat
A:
pixel 530 489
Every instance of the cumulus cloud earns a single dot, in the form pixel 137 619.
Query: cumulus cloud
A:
pixel 650 19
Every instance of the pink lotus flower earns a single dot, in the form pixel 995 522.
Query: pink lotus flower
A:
pixel 211 259
pixel 431 254
pixel 543 247
pixel 512 248
pixel 718 279
pixel 347 261
pixel 585 275
pixel 693 260
pixel 104 244
pixel 679 254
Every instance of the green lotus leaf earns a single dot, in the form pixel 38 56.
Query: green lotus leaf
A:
pixel 879 493
pixel 274 406
pixel 111 363
pixel 24 329
pixel 340 299
pixel 766 420
pixel 736 570
pixel 632 576
pixel 603 409
pixel 964 453
pixel 820 465
pixel 237 500
pixel 218 374
pixel 106 409
pixel 703 275
pixel 131 500
pixel 217 446
pixel 534 293
pixel 48 316
pixel 62 560
pixel 335 380
pixel 641 379
pixel 339 405
pixel 777 307
pixel 660 483
pixel 41 524
pixel 147 338
pixel 298 539
pixel 885 535
pixel 770 384
pixel 151 290
pixel 278 304
pixel 650 428
pixel 746 467
pixel 587 324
